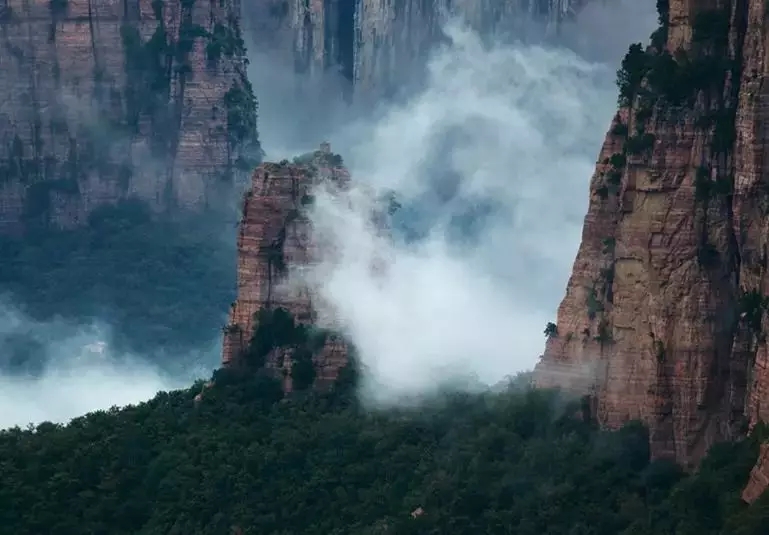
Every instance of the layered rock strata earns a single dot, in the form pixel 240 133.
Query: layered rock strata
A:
pixel 275 240
pixel 116 98
pixel 664 317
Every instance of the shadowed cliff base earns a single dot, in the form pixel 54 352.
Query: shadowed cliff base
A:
pixel 129 293
pixel 129 268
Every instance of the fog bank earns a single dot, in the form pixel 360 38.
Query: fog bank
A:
pixel 60 369
pixel 491 163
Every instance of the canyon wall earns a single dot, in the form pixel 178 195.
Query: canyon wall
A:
pixel 275 239
pixel 104 100
pixel 664 317
pixel 392 37
pixel 379 45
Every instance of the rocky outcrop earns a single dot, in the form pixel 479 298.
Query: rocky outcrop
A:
pixel 116 98
pixel 664 317
pixel 759 477
pixel 275 239
pixel 377 45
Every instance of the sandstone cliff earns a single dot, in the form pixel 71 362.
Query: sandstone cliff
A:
pixel 102 100
pixel 664 317
pixel 378 44
pixel 274 238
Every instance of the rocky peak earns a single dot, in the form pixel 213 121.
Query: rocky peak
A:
pixel 272 322
pixel 664 317
pixel 117 98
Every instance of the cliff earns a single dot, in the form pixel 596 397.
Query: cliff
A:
pixel 391 37
pixel 377 45
pixel 271 322
pixel 664 317
pixel 116 98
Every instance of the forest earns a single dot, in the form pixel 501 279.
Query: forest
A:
pixel 245 459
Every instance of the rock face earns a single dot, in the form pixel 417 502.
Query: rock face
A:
pixel 759 477
pixel 664 317
pixel 104 100
pixel 274 238
pixel 377 44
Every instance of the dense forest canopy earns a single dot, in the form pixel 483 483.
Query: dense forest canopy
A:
pixel 244 459
pixel 157 281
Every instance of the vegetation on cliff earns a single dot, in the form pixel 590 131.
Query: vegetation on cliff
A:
pixel 655 76
pixel 151 69
pixel 278 330
pixel 96 129
pixel 159 281
pixel 692 79
pixel 697 83
pixel 241 460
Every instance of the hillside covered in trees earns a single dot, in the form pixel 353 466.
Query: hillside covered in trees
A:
pixel 246 460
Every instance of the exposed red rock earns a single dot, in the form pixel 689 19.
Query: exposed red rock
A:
pixel 759 477
pixel 275 236
pixel 664 317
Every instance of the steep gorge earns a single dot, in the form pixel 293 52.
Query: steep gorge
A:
pixel 119 98
pixel 664 317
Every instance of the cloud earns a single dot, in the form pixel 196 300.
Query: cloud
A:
pixel 491 162
pixel 81 371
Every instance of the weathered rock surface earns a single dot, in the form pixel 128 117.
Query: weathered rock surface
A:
pixel 274 238
pixel 378 44
pixel 759 477
pixel 102 100
pixel 664 317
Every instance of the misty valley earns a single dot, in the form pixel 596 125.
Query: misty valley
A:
pixel 161 284
pixel 375 268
